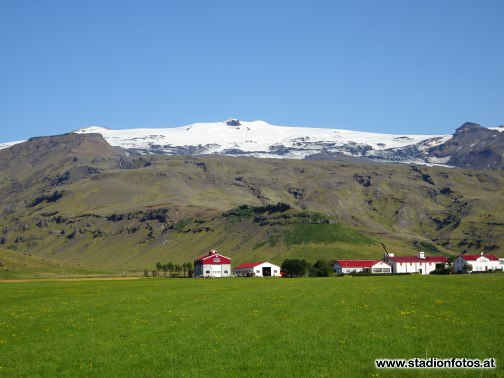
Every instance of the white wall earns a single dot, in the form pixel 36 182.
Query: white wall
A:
pixel 210 270
pixel 381 266
pixel 413 267
pixel 257 270
pixel 267 265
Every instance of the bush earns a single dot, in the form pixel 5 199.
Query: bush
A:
pixel 441 271
pixel 294 268
pixel 321 269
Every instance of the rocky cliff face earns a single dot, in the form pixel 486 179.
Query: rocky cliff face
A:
pixel 472 146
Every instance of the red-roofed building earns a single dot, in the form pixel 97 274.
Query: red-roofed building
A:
pixel 257 269
pixel 355 266
pixel 415 264
pixel 212 265
pixel 477 263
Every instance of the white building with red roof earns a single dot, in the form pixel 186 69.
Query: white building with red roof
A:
pixel 212 265
pixel 257 269
pixel 416 264
pixel 478 263
pixel 356 266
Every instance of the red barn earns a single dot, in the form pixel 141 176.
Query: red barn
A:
pixel 212 265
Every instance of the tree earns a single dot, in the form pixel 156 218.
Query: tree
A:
pixel 321 268
pixel 159 266
pixel 178 269
pixel 190 269
pixel 187 268
pixel 451 263
pixel 170 268
pixel 165 269
pixel 295 268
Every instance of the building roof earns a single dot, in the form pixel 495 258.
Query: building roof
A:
pixel 212 254
pixel 358 263
pixel 475 257
pixel 416 259
pixel 248 265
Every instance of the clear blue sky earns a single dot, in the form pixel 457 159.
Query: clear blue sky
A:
pixel 412 66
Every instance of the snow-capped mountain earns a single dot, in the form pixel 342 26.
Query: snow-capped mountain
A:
pixel 471 145
pixel 260 139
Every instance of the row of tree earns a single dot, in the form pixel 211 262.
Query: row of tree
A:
pixel 301 268
pixel 171 270
pixel 290 268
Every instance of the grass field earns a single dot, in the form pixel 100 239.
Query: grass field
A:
pixel 233 327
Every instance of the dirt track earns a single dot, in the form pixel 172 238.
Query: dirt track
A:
pixel 75 279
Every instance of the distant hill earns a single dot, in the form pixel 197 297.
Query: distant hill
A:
pixel 74 198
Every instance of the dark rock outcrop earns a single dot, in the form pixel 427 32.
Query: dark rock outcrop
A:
pixel 473 146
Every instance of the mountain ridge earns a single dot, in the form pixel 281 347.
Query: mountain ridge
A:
pixel 467 147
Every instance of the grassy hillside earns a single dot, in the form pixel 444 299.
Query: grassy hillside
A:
pixel 97 207
pixel 99 241
pixel 17 265
pixel 295 327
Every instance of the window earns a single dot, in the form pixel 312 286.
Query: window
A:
pixel 258 271
pixel 207 272
pixel 275 271
pixel 226 271
pixel 386 270
pixel 377 270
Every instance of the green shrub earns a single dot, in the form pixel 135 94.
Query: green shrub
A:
pixel 441 271
pixel 295 268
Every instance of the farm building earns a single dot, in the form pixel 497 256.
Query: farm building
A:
pixel 477 263
pixel 257 269
pixel 212 265
pixel 416 264
pixel 355 266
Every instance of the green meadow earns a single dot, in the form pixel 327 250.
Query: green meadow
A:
pixel 247 326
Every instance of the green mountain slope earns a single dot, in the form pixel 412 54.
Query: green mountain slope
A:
pixel 16 265
pixel 82 201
